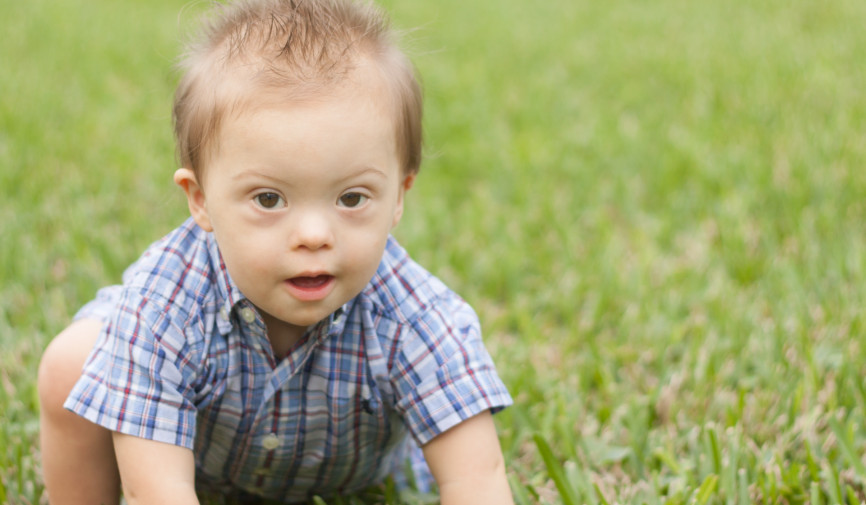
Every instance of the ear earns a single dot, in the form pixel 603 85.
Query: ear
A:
pixel 405 186
pixel 408 181
pixel 186 179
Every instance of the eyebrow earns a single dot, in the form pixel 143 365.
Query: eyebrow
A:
pixel 367 170
pixel 361 172
pixel 253 173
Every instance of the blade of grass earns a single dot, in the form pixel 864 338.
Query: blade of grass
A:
pixel 554 468
pixel 815 494
pixel 714 449
pixel 600 495
pixel 743 486
pixel 705 491
pixel 846 447
pixel 580 482
pixel 668 461
pixel 814 470
pixel 852 495
pixel 831 478
pixel 519 491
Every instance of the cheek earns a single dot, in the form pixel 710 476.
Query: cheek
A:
pixel 365 254
pixel 246 256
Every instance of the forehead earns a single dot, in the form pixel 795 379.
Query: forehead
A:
pixel 363 80
pixel 362 95
pixel 331 133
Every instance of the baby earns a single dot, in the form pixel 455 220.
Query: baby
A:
pixel 279 344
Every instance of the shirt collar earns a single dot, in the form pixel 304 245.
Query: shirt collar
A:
pixel 228 293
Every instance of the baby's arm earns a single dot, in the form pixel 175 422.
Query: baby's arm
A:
pixel 467 463
pixel 155 472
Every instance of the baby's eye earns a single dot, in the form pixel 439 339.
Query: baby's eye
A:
pixel 269 200
pixel 352 200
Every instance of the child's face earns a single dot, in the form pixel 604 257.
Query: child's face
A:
pixel 301 199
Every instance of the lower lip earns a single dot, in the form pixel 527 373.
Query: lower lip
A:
pixel 310 289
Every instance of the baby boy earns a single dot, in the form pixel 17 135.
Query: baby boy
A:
pixel 279 344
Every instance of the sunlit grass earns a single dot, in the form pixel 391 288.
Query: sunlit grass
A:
pixel 656 208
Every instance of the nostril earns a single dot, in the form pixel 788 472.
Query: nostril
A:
pixel 313 237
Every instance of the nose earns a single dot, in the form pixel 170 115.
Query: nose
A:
pixel 312 230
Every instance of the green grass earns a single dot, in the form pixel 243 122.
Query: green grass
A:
pixel 656 207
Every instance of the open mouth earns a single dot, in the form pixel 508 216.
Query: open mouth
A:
pixel 310 288
pixel 311 282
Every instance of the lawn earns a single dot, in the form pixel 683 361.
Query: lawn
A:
pixel 657 209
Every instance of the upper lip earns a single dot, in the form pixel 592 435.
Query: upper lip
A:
pixel 316 273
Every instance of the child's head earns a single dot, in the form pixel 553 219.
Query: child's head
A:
pixel 255 53
pixel 298 127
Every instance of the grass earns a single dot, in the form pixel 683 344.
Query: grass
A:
pixel 657 209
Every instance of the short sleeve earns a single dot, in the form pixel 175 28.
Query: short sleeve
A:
pixel 102 306
pixel 442 374
pixel 137 378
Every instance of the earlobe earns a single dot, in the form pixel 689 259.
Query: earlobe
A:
pixel 398 213
pixel 195 199
pixel 405 186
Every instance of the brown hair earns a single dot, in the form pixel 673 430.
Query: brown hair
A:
pixel 249 49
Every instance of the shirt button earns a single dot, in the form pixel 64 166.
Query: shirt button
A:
pixel 224 314
pixel 248 315
pixel 271 441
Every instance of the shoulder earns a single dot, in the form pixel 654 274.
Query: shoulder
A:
pixel 176 273
pixel 404 291
pixel 430 342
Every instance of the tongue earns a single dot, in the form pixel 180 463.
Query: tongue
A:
pixel 310 282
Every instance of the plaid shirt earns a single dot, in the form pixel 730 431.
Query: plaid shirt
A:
pixel 184 358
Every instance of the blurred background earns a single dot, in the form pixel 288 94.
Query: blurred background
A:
pixel 655 207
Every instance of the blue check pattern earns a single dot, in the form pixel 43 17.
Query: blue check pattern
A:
pixel 183 358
